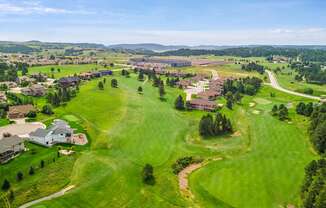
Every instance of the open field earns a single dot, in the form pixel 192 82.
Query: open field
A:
pixel 124 137
pixel 66 70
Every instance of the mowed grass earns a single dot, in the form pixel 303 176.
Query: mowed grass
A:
pixel 65 70
pixel 270 172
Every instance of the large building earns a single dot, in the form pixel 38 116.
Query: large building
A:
pixel 170 62
pixel 10 147
pixel 36 90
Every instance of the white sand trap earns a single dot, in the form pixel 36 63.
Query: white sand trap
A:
pixel 252 105
pixel 257 112
pixel 22 130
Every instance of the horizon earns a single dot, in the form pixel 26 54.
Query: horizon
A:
pixel 294 22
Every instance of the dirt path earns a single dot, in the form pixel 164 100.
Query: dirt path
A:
pixel 276 85
pixel 52 196
pixel 183 177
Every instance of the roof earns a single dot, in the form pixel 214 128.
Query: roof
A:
pixel 202 102
pixel 39 133
pixel 7 142
pixel 21 108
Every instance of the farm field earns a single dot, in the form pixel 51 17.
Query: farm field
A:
pixel 124 137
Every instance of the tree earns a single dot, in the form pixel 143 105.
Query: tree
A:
pixel 104 80
pixel 179 103
pixel 100 85
pixel 5 185
pixel 229 104
pixel 47 109
pixel 148 175
pixel 283 113
pixel 274 110
pixel 206 126
pixel 140 90
pixel 319 137
pixel 42 164
pixel 31 171
pixel 31 114
pixel 237 97
pixel 161 91
pixel 114 83
pixel 141 76
pixel 19 176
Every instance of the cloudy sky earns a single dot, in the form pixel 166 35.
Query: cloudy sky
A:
pixel 191 22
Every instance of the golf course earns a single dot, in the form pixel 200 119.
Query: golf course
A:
pixel 262 162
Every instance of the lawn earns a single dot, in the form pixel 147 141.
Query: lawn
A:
pixel 65 70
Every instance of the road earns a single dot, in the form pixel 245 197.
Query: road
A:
pixel 276 85
pixel 52 196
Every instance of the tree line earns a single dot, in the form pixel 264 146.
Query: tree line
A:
pixel 316 55
pixel 310 72
pixel 313 189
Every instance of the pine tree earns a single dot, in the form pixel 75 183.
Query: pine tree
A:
pixel 161 91
pixel 114 83
pixel 274 110
pixel 5 185
pixel 19 176
pixel 229 104
pixel 100 85
pixel 140 90
pixel 141 76
pixel 148 175
pixel 179 103
pixel 31 171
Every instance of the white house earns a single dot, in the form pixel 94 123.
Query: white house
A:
pixel 58 132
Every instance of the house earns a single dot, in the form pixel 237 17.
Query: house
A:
pixel 105 72
pixel 26 79
pixel 39 77
pixel 202 104
pixel 68 81
pixel 3 97
pixel 96 74
pixel 183 84
pixel 209 94
pixel 85 76
pixel 9 84
pixel 58 132
pixel 19 111
pixel 10 147
pixel 36 90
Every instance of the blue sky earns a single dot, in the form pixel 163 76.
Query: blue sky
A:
pixel 190 22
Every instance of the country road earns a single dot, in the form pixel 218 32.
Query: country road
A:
pixel 52 196
pixel 276 85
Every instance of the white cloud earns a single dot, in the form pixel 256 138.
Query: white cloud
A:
pixel 34 7
pixel 109 35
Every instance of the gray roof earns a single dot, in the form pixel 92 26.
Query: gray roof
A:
pixel 39 132
pixel 7 142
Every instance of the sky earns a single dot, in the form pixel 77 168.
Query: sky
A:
pixel 174 22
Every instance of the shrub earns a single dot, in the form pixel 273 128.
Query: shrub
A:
pixel 148 175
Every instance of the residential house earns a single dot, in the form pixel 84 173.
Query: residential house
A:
pixel 68 81
pixel 10 147
pixel 3 97
pixel 9 84
pixel 58 132
pixel 85 76
pixel 36 90
pixel 19 111
pixel 105 72
pixel 202 104
pixel 39 77
pixel 183 84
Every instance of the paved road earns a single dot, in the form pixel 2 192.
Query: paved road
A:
pixel 275 85
pixel 52 196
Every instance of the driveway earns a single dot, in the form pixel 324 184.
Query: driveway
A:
pixel 21 129
pixel 276 85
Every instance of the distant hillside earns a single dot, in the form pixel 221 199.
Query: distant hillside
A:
pixel 147 46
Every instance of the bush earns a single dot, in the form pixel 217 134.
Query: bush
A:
pixel 31 114
pixel 19 176
pixel 184 162
pixel 5 185
pixel 148 175
pixel 47 109
pixel 308 91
